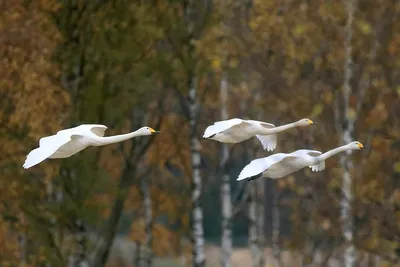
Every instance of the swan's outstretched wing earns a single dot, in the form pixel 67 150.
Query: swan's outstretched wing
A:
pixel 306 152
pixel 97 129
pixel 318 167
pixel 258 166
pixel 267 141
pixel 47 146
pixel 263 124
pixel 313 153
pixel 220 126
pixel 50 144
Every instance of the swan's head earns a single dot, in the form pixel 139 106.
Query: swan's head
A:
pixel 147 131
pixel 355 145
pixel 305 122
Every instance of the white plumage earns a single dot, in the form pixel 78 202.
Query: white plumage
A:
pixel 281 164
pixel 68 142
pixel 237 130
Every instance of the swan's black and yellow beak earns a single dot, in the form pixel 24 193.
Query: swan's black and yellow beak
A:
pixel 154 131
pixel 310 122
pixel 361 146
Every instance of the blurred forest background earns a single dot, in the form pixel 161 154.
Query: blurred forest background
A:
pixel 178 66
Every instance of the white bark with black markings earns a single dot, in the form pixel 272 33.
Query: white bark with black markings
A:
pixel 256 216
pixel 197 211
pixel 226 202
pixel 348 123
pixel 275 226
pixel 147 256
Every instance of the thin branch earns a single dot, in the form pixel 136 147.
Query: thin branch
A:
pixel 365 80
pixel 201 26
pixel 237 202
pixel 143 148
pixel 183 102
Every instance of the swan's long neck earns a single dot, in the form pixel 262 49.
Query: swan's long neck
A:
pixel 279 129
pixel 116 138
pixel 332 152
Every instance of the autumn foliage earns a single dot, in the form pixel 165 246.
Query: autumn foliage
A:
pixel 124 64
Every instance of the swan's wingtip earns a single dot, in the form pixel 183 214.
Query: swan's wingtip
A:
pixel 240 178
pixel 26 165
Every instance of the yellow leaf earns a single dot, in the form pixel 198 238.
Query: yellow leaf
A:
pixel 317 110
pixel 301 191
pixel 253 25
pixel 233 62
pixel 281 184
pixel 397 215
pixel 216 64
pixel 290 180
pixel 351 113
pixel 328 97
pixel 396 167
pixel 299 29
pixel 364 27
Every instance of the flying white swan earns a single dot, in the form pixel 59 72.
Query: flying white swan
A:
pixel 237 130
pixel 281 164
pixel 70 141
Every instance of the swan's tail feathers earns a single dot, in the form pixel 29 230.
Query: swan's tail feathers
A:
pixel 34 157
pixel 268 141
pixel 318 167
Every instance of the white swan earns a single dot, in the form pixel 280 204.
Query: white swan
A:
pixel 237 130
pixel 281 164
pixel 70 141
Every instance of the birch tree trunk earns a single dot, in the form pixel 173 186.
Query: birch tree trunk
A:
pixel 196 13
pixel 137 255
pixel 147 257
pixel 260 201
pixel 78 257
pixel 51 196
pixel 347 136
pixel 275 225
pixel 78 254
pixel 127 178
pixel 226 242
pixel 256 217
pixel 197 212
pixel 254 248
pixel 251 193
pixel 22 243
